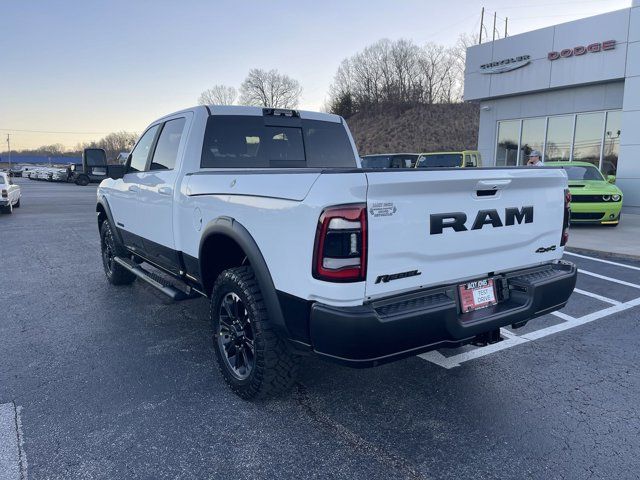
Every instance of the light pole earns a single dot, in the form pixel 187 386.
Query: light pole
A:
pixel 9 147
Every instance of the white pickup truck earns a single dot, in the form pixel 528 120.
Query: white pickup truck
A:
pixel 267 213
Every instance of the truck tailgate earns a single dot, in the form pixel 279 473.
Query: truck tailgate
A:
pixel 435 227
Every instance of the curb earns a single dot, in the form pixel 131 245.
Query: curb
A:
pixel 612 255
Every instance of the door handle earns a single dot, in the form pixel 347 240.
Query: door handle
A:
pixel 134 188
pixel 165 190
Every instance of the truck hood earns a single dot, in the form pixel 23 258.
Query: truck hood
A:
pixel 584 187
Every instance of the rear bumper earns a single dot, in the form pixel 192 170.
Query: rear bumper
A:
pixel 387 330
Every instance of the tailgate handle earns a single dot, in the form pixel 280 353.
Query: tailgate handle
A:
pixel 492 184
pixel 488 188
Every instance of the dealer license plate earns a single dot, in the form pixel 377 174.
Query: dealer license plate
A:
pixel 477 294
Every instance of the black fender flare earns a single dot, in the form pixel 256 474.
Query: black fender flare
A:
pixel 102 202
pixel 237 232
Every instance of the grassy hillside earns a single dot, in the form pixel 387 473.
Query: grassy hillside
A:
pixel 422 128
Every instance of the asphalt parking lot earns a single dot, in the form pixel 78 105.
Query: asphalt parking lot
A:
pixel 105 382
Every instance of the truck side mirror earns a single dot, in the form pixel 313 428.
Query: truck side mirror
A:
pixel 94 157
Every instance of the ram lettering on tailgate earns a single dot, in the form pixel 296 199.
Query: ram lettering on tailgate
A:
pixel 457 220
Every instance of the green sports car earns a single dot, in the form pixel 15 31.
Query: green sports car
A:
pixel 593 199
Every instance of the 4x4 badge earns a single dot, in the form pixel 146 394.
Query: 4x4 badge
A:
pixel 546 249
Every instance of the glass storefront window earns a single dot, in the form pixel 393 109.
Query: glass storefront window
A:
pixel 532 138
pixel 611 148
pixel 559 136
pixel 588 138
pixel 508 135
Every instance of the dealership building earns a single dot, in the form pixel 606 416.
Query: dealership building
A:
pixel 571 91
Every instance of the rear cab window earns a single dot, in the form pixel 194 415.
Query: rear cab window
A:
pixel 245 141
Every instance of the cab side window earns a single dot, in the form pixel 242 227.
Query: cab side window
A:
pixel 140 153
pixel 166 152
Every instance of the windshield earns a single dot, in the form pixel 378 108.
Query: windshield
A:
pixel 441 160
pixel 580 172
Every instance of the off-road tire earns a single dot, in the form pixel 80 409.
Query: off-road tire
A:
pixel 274 370
pixel 7 209
pixel 17 205
pixel 116 274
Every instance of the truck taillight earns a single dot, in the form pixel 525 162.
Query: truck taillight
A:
pixel 4 194
pixel 340 250
pixel 567 218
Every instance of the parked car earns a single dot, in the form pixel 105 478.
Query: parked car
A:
pixel 43 174
pixel 59 175
pixel 9 194
pixel 264 212
pixel 15 171
pixel 390 160
pixel 465 158
pixel 593 198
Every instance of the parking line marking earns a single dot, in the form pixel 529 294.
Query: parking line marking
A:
pixel 609 279
pixel 512 339
pixel 602 261
pixel 11 465
pixel 597 297
pixel 563 316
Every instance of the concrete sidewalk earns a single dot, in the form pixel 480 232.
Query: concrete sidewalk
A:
pixel 621 240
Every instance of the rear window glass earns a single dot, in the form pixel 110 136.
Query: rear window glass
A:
pixel 252 142
pixel 1 179
pixel 441 160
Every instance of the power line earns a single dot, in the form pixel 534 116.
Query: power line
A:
pixel 50 131
pixel 511 7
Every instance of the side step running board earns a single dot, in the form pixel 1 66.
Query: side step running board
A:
pixel 156 281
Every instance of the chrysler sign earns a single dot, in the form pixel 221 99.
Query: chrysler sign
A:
pixel 505 65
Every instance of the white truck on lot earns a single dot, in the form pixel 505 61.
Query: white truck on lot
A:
pixel 267 213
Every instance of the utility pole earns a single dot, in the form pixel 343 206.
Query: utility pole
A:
pixel 9 146
pixel 494 26
pixel 481 25
pixel 506 23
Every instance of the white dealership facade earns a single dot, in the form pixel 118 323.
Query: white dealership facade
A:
pixel 571 91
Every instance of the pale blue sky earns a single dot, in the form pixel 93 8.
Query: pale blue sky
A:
pixel 100 66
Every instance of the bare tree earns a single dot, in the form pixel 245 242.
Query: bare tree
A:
pixel 270 89
pixel 218 95
pixel 397 72
pixel 113 144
